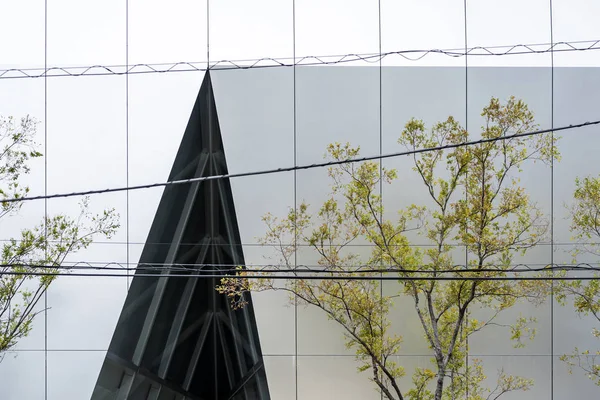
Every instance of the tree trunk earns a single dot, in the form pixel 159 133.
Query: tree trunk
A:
pixel 439 387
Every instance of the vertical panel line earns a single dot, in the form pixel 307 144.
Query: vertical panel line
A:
pixel 295 197
pixel 551 202
pixel 207 35
pixel 465 8
pixel 380 160
pixel 46 193
pixel 127 135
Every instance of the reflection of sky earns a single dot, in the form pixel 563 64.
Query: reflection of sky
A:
pixel 94 34
pixel 256 116
pixel 86 127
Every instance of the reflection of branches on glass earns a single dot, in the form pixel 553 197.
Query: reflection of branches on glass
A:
pixel 584 295
pixel 585 215
pixel 508 383
pixel 585 361
pixel 474 200
pixel 31 262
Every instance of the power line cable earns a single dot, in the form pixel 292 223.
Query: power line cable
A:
pixel 377 277
pixel 299 167
pixel 268 62
pixel 255 244
pixel 302 269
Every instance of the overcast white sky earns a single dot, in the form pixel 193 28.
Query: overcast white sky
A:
pixel 93 32
pixel 86 127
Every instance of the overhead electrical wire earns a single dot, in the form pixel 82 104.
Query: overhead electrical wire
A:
pixel 299 167
pixel 268 62
pixel 255 244
pixel 255 273
pixel 377 277
pixel 310 60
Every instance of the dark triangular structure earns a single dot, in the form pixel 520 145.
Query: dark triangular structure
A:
pixel 177 338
